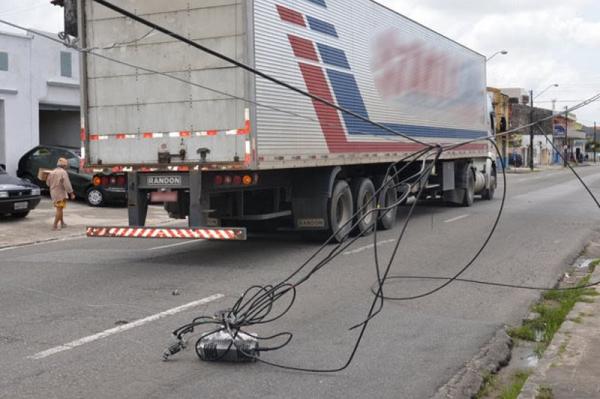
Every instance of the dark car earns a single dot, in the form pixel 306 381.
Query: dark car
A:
pixel 110 190
pixel 515 160
pixel 17 197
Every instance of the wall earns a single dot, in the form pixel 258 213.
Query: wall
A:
pixel 2 135
pixel 57 127
pixel 33 77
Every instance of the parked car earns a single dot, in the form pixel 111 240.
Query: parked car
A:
pixel 17 197
pixel 515 159
pixel 110 190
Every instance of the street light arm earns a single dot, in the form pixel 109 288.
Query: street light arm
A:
pixel 545 90
pixel 503 52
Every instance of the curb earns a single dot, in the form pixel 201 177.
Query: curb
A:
pixel 29 244
pixel 467 382
pixel 66 238
pixel 552 353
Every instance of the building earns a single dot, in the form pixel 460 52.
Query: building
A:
pixel 39 96
pixel 502 121
pixel 521 114
pixel 576 137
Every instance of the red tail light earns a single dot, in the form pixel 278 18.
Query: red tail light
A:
pixel 218 180
pixel 121 181
pixel 105 180
pixel 237 180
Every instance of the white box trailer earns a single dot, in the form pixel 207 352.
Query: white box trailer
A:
pixel 224 147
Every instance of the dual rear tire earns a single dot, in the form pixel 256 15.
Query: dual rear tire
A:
pixel 353 207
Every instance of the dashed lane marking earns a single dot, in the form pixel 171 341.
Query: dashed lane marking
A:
pixel 125 327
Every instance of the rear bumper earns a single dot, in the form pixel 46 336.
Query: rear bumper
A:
pixel 114 195
pixel 222 234
pixel 8 205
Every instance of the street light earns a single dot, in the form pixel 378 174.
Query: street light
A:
pixel 546 89
pixel 531 98
pixel 503 52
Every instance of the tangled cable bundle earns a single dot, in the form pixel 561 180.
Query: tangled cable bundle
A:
pixel 259 305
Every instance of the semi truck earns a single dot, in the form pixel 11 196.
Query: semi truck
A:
pixel 231 151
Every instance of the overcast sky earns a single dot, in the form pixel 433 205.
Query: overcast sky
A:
pixel 549 41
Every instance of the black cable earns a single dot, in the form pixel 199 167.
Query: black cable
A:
pixel 256 309
pixel 481 282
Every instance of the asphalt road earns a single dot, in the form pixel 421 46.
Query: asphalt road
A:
pixel 70 291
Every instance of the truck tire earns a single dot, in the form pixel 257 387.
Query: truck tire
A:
pixel 388 196
pixel 488 193
pixel 363 193
pixel 341 210
pixel 469 190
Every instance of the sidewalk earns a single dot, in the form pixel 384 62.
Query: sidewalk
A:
pixel 37 226
pixel 538 168
pixel 570 366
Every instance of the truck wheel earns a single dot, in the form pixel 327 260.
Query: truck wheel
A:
pixel 488 193
pixel 95 197
pixel 387 197
pixel 340 211
pixel 469 196
pixel 363 193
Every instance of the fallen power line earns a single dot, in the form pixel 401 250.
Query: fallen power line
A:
pixel 229 339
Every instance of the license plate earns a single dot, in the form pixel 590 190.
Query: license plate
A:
pixel 21 205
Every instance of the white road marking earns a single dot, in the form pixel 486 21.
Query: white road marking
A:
pixel 175 245
pixel 125 327
pixel 370 246
pixel 457 218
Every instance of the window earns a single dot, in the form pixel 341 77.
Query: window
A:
pixel 3 61
pixel 66 69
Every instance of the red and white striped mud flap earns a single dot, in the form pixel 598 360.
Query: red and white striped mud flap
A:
pixel 204 233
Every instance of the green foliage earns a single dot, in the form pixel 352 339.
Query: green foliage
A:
pixel 514 389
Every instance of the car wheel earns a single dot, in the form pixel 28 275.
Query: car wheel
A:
pixel 95 197
pixel 20 215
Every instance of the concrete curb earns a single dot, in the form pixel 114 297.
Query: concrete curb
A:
pixel 552 355
pixel 165 222
pixel 468 381
pixel 28 244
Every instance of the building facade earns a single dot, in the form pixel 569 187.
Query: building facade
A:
pixel 39 96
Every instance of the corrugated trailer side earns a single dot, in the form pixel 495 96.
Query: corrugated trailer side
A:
pixel 133 114
pixel 372 61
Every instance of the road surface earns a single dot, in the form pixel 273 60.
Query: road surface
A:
pixel 90 318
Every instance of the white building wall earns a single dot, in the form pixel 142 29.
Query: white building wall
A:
pixel 33 77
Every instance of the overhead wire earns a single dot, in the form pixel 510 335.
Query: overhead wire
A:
pixel 255 306
pixel 260 305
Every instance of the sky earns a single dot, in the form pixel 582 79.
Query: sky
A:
pixel 548 41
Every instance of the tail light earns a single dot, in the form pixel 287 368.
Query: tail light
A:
pixel 235 180
pixel 96 181
pixel 105 180
pixel 121 181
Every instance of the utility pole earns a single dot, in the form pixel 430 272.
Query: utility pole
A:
pixel 566 156
pixel 594 142
pixel 531 130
